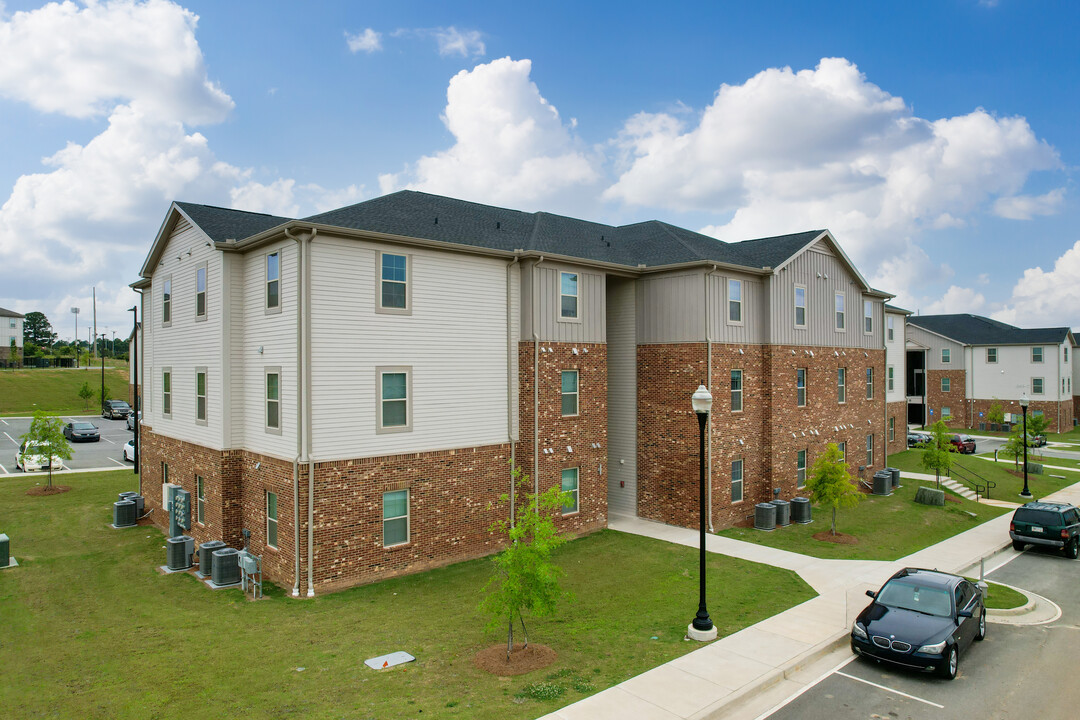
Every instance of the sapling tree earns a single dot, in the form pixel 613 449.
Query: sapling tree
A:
pixel 86 393
pixel 1014 446
pixel 936 454
pixel 830 482
pixel 46 438
pixel 526 579
pixel 996 414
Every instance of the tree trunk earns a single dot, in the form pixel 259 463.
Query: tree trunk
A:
pixel 48 484
pixel 523 630
pixel 510 637
pixel 834 520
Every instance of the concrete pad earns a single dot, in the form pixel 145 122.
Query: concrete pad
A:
pixel 12 562
pixel 808 630
pixel 613 704
pixel 722 668
pixel 767 647
pixel 675 690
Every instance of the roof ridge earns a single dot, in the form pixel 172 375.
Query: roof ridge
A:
pixel 664 226
pixel 236 210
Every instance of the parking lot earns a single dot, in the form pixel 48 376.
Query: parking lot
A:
pixel 105 453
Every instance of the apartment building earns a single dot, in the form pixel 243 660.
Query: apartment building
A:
pixel 895 374
pixel 354 387
pixel 961 365
pixel 11 337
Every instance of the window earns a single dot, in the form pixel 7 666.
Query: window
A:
pixel 200 396
pixel 1036 386
pixel 946 413
pixel 271 519
pixel 800 306
pixel 869 383
pixel 800 469
pixel 842 447
pixel 395 518
pixel 841 385
pixel 568 295
pixel 869 450
pixel 736 390
pixel 946 384
pixel 840 311
pixel 569 392
pixel 1062 386
pixel 164 477
pixel 734 300
pixel 394 292
pixel 737 481
pixel 200 500
pixel 166 301
pixel 889 378
pixel 946 355
pixel 166 392
pixel 1036 413
pixel 868 316
pixel 991 355
pixel 889 327
pixel 1036 354
pixel 273 282
pixel 200 292
pixel 892 429
pixel 273 400
pixel 1066 348
pixel 11 324
pixel 395 399
pixel 570 485
pixel 800 387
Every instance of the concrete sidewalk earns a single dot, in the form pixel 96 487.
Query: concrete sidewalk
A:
pixel 718 679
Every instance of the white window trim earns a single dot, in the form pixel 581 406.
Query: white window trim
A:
pixel 988 360
pixel 200 499
pixel 868 316
pixel 407 516
pixel 166 415
pixel 870 383
pixel 946 414
pixel 205 397
pixel 890 378
pixel 276 521
pixel 892 429
pixel 870 450
pixel 945 351
pixel 741 481
pixel 166 283
pixel 267 308
pixel 841 313
pixel 577 394
pixel 890 328
pixel 558 314
pixel 742 375
pixel 795 307
pixel 379 308
pixel 267 372
pixel 842 447
pixel 1042 354
pixel 946 384
pixel 727 306
pixel 205 268
pixel 379 372
pixel 1042 381
pixel 576 493
pixel 841 385
pixel 806 382
pixel 800 483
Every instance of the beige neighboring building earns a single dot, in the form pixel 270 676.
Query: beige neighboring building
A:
pixel 11 328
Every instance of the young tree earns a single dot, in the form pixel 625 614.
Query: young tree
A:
pixel 996 414
pixel 46 437
pixel 1037 424
pixel 1014 446
pixel 830 483
pixel 936 453
pixel 86 393
pixel 526 578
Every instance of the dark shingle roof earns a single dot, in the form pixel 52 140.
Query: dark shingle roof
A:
pixel 10 313
pixel 979 330
pixel 223 224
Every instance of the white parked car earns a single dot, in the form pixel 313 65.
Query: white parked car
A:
pixel 26 459
pixel 129 450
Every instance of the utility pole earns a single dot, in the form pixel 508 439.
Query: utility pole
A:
pixel 95 321
pixel 75 342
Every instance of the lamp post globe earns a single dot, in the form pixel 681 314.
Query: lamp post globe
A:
pixel 701 628
pixel 1024 402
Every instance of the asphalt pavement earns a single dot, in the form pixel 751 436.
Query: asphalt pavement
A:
pixel 106 452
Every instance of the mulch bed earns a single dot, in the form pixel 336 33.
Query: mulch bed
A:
pixel 839 538
pixel 42 490
pixel 522 659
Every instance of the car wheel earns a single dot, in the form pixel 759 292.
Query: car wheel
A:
pixel 952 664
pixel 1018 546
pixel 1072 550
pixel 982 626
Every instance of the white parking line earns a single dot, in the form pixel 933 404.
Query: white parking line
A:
pixel 4 469
pixel 3 421
pixel 117 462
pixel 1005 562
pixel 891 690
pixel 108 440
pixel 771 711
pixel 11 439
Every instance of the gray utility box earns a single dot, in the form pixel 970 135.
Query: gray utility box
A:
pixel 765 516
pixel 178 552
pixel 226 569
pixel 5 550
pixel 123 513
pixel 783 512
pixel 895 477
pixel 206 556
pixel 882 483
pixel 801 511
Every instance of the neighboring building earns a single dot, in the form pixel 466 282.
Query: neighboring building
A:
pixel 11 328
pixel 135 365
pixel 354 386
pixel 895 378
pixel 970 362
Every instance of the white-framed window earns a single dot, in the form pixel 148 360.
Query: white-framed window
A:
pixel 395 288
pixel 946 356
pixel 271 519
pixel 736 391
pixel 869 450
pixel 569 392
pixel 841 385
pixel 200 395
pixel 890 379
pixel 840 318
pixel 1037 386
pixel 869 383
pixel 842 447
pixel 889 327
pixel 800 469
pixel 166 393
pixel 166 301
pixel 200 292
pixel 1036 413
pixel 273 400
pixel 868 317
pixel 11 324
pixel 394 385
pixel 800 306
pixel 946 412
pixel 200 500
pixel 800 387
pixel 273 282
pixel 1036 354
pixel 395 513
pixel 946 384
pixel 1066 348
pixel 734 301
pixel 892 429
pixel 1062 386
pixel 568 296
pixel 991 355
pixel 737 481
pixel 570 485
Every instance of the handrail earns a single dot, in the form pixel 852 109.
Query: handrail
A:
pixel 982 488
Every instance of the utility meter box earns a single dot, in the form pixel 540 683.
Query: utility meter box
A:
pixel 181 508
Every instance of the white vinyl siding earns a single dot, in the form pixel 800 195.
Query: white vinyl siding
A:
pixel 396 530
pixel 570 485
pixel 569 393
pixel 737 481
pixel 736 390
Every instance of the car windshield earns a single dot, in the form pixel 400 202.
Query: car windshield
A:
pixel 83 426
pixel 1037 517
pixel 928 600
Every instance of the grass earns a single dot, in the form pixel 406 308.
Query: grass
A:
pixel 1035 457
pixel 888 527
pixel 1008 485
pixel 91 629
pixel 999 597
pixel 57 390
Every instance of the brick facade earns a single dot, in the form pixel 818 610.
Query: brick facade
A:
pixel 898 412
pixel 955 399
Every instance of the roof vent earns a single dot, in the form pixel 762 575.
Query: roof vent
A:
pixel 436 219
pixel 498 225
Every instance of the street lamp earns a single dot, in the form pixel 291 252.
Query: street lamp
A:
pixel 1024 402
pixel 102 374
pixel 75 342
pixel 702 627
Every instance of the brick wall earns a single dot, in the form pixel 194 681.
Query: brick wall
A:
pixel 897 411
pixel 954 399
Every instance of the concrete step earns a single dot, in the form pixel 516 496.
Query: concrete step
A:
pixel 959 489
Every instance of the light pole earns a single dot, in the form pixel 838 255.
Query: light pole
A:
pixel 133 352
pixel 75 342
pixel 1024 402
pixel 102 374
pixel 702 627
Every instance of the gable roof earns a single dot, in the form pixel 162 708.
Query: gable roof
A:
pixel 10 313
pixel 978 330
pixel 221 224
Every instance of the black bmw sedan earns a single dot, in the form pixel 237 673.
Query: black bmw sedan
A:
pixel 920 619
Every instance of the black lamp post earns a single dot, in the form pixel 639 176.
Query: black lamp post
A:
pixel 1024 402
pixel 702 627
pixel 133 352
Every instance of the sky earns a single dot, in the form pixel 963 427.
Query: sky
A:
pixel 936 140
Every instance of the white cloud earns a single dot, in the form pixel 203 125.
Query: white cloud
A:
pixel 1024 207
pixel 1047 299
pixel 367 41
pixel 511 147
pixel 956 300
pixel 83 61
pixel 462 42
pixel 275 198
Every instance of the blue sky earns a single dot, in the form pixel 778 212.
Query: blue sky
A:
pixel 936 139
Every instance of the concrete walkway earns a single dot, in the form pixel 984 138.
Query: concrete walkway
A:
pixel 718 679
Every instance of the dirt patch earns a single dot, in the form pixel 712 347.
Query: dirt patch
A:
pixel 42 490
pixel 522 659
pixel 952 498
pixel 839 538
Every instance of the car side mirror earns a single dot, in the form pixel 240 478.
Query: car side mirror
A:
pixel 964 614
pixel 871 594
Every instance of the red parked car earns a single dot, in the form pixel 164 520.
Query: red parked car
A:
pixel 962 444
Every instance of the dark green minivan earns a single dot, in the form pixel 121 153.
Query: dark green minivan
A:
pixel 1049 524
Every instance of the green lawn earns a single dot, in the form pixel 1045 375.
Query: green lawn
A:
pixel 1000 597
pixel 1008 485
pixel 1035 457
pixel 90 629
pixel 888 528
pixel 57 390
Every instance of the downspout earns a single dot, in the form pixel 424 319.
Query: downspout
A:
pixel 299 423
pixel 510 349
pixel 971 374
pixel 708 369
pixel 307 412
pixel 536 390
pixel 885 385
pixel 1057 392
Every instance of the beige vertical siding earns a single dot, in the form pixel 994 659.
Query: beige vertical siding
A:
pixel 622 395
pixel 589 326
pixel 935 343
pixel 671 308
pixel 754 326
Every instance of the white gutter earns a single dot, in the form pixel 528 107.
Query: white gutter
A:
pixel 299 422
pixel 510 350
pixel 708 363
pixel 307 412
pixel 536 389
